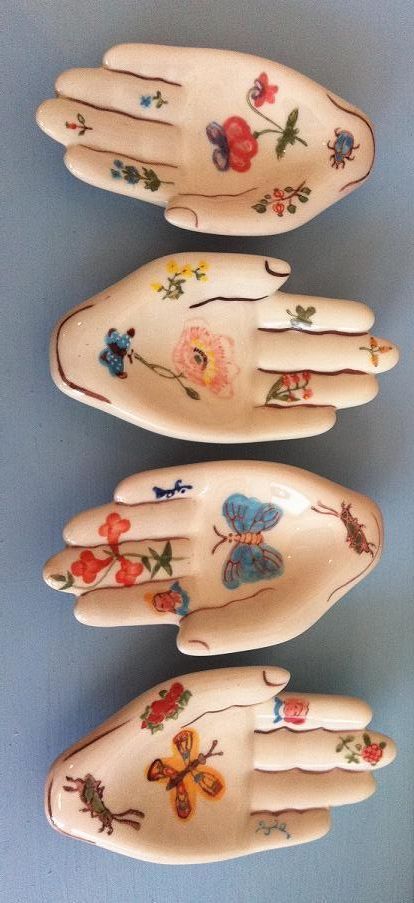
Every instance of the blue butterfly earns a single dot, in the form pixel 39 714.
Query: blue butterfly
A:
pixel 250 559
pixel 221 155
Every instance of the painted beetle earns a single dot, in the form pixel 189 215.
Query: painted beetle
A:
pixel 342 148
pixel 118 346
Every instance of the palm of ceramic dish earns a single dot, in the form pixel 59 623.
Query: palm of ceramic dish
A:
pixel 238 555
pixel 205 347
pixel 211 766
pixel 229 143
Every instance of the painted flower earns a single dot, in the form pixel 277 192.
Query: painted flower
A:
pixel 307 393
pixel 206 359
pixel 146 100
pixel 291 710
pixel 187 271
pixel 235 144
pixel 372 753
pixel 279 208
pixel 129 571
pixel 87 566
pixel 173 267
pixel 262 92
pixel 113 527
pixel 174 600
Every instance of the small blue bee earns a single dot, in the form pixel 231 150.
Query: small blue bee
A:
pixel 342 148
pixel 113 355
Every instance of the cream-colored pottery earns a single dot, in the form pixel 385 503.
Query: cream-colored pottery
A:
pixel 236 554
pixel 227 142
pixel 215 765
pixel 206 347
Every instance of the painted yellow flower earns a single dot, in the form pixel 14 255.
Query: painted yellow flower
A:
pixel 203 265
pixel 173 267
pixel 156 286
pixel 187 271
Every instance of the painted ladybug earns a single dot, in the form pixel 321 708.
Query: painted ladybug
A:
pixel 113 355
pixel 342 148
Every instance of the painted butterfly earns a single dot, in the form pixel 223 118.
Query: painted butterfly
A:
pixel 184 782
pixel 250 559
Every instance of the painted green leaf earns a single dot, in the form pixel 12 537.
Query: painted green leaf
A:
pixel 259 208
pixel 58 577
pixel 167 551
pixel 288 190
pixel 367 739
pixel 291 208
pixel 163 693
pixel 293 117
pixel 305 190
pixel 382 745
pixel 302 199
pixel 146 562
pixel 339 747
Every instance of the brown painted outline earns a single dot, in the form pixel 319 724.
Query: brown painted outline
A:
pixel 225 298
pixel 61 371
pixel 239 705
pixel 144 78
pixel 237 194
pixel 79 749
pixel 317 372
pixel 363 119
pixel 95 106
pixel 273 272
pixel 310 331
pixel 180 207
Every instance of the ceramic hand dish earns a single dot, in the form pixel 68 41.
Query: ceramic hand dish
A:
pixel 207 348
pixel 236 554
pixel 216 765
pixel 226 142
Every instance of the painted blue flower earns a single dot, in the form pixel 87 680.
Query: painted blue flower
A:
pixel 118 163
pixel 115 174
pixel 146 100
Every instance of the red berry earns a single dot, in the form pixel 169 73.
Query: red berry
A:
pixel 372 753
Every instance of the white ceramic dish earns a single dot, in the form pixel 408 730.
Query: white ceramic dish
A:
pixel 227 143
pixel 206 347
pixel 235 554
pixel 216 765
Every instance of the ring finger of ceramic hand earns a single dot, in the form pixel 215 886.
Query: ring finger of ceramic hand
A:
pixel 295 789
pixel 322 750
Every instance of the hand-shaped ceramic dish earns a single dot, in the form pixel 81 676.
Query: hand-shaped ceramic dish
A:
pixel 226 142
pixel 236 554
pixel 207 348
pixel 216 765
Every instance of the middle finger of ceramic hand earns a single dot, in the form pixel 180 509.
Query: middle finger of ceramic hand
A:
pixel 321 750
pixel 322 353
pixel 121 92
pixel 76 570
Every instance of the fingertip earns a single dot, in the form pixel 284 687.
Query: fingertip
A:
pixel 183 216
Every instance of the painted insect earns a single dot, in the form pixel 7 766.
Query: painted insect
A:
pixel 250 559
pixel 342 148
pixel 118 345
pixel 179 488
pixel 178 779
pixel 356 537
pixel 91 793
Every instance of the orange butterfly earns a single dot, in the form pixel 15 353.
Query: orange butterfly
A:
pixel 185 781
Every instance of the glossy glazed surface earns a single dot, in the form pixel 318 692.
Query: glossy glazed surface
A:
pixel 216 765
pixel 228 143
pixel 206 347
pixel 236 554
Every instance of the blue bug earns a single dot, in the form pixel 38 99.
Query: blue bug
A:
pixel 117 348
pixel 342 148
pixel 250 559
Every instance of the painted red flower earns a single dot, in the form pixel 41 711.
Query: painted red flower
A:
pixel 176 690
pixel 295 710
pixel 307 393
pixel 235 144
pixel 372 753
pixel 87 566
pixel 278 193
pixel 262 92
pixel 113 527
pixel 279 208
pixel 129 571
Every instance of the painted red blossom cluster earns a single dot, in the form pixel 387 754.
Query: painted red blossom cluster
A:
pixel 372 753
pixel 294 381
pixel 170 703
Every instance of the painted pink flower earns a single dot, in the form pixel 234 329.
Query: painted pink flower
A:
pixel 262 92
pixel 113 527
pixel 307 393
pixel 295 710
pixel 206 359
pixel 279 208
pixel 87 566
pixel 129 571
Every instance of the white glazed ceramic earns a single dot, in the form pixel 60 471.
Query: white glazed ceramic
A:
pixel 206 347
pixel 216 765
pixel 226 142
pixel 235 554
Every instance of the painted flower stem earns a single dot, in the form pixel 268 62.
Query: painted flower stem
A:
pixel 166 373
pixel 288 133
